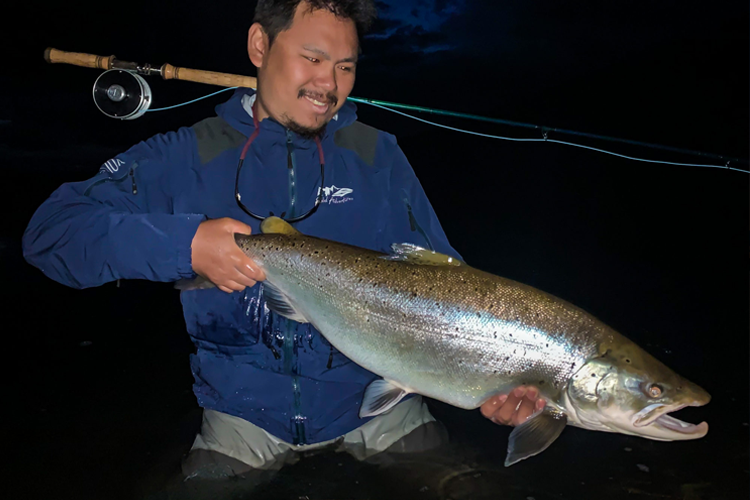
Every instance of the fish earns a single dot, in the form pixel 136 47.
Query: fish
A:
pixel 430 324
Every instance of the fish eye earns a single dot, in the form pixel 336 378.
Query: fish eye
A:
pixel 655 390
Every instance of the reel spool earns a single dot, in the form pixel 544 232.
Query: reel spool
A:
pixel 122 94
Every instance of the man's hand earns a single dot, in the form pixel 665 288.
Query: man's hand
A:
pixel 514 408
pixel 217 257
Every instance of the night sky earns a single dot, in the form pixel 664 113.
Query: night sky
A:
pixel 658 252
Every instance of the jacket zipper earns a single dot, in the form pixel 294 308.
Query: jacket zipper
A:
pixel 291 163
pixel 291 360
pixel 414 225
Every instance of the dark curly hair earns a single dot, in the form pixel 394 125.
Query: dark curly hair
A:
pixel 276 16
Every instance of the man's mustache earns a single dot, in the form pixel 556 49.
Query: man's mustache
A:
pixel 329 97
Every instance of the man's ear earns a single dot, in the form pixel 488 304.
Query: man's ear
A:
pixel 257 44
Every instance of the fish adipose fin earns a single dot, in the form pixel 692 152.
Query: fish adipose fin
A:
pixel 276 225
pixel 406 252
pixel 280 304
pixel 535 435
pixel 380 396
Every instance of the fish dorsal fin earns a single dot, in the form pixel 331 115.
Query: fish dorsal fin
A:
pixel 535 435
pixel 413 254
pixel 276 225
pixel 280 303
pixel 380 396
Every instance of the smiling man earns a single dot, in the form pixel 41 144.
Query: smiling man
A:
pixel 270 388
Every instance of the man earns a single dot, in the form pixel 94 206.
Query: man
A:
pixel 166 210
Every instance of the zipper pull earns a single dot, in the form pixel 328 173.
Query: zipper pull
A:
pixel 132 179
pixel 289 150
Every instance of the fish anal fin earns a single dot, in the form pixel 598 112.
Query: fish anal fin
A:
pixel 380 396
pixel 413 254
pixel 280 303
pixel 535 435
pixel 276 225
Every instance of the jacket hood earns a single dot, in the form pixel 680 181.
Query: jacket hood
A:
pixel 237 111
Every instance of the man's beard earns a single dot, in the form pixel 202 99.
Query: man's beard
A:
pixel 309 132
pixel 301 130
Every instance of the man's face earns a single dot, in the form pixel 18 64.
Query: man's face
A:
pixel 308 72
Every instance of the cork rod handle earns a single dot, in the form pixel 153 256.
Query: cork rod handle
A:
pixel 169 72
pixel 78 59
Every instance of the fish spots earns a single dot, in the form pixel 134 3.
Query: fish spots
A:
pixel 627 360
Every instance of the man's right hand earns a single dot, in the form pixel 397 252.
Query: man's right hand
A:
pixel 216 256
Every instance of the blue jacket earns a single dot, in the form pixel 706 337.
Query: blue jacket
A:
pixel 136 218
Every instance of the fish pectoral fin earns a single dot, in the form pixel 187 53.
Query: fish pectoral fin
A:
pixel 413 254
pixel 276 225
pixel 535 435
pixel 198 283
pixel 280 303
pixel 380 396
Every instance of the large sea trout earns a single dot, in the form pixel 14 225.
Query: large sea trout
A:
pixel 432 325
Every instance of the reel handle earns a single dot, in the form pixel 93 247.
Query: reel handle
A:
pixel 78 59
pixel 169 72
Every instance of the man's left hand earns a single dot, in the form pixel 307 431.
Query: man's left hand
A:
pixel 514 408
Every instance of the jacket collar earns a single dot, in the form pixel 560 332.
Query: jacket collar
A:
pixel 237 111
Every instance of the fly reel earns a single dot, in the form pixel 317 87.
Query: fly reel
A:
pixel 122 94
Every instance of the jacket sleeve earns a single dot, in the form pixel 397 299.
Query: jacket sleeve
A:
pixel 120 223
pixel 411 218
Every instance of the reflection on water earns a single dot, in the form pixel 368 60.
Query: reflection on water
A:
pixel 581 465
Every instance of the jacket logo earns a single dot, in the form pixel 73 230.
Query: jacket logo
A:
pixel 334 195
pixel 112 165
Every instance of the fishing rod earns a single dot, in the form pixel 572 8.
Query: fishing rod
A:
pixel 122 93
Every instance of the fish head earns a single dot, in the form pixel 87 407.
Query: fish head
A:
pixel 626 390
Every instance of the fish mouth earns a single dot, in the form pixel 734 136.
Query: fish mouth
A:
pixel 657 416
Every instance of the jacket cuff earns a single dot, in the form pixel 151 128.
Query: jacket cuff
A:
pixel 183 241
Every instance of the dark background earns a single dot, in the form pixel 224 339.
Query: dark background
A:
pixel 98 385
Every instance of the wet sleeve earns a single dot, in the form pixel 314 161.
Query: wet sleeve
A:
pixel 411 218
pixel 120 224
